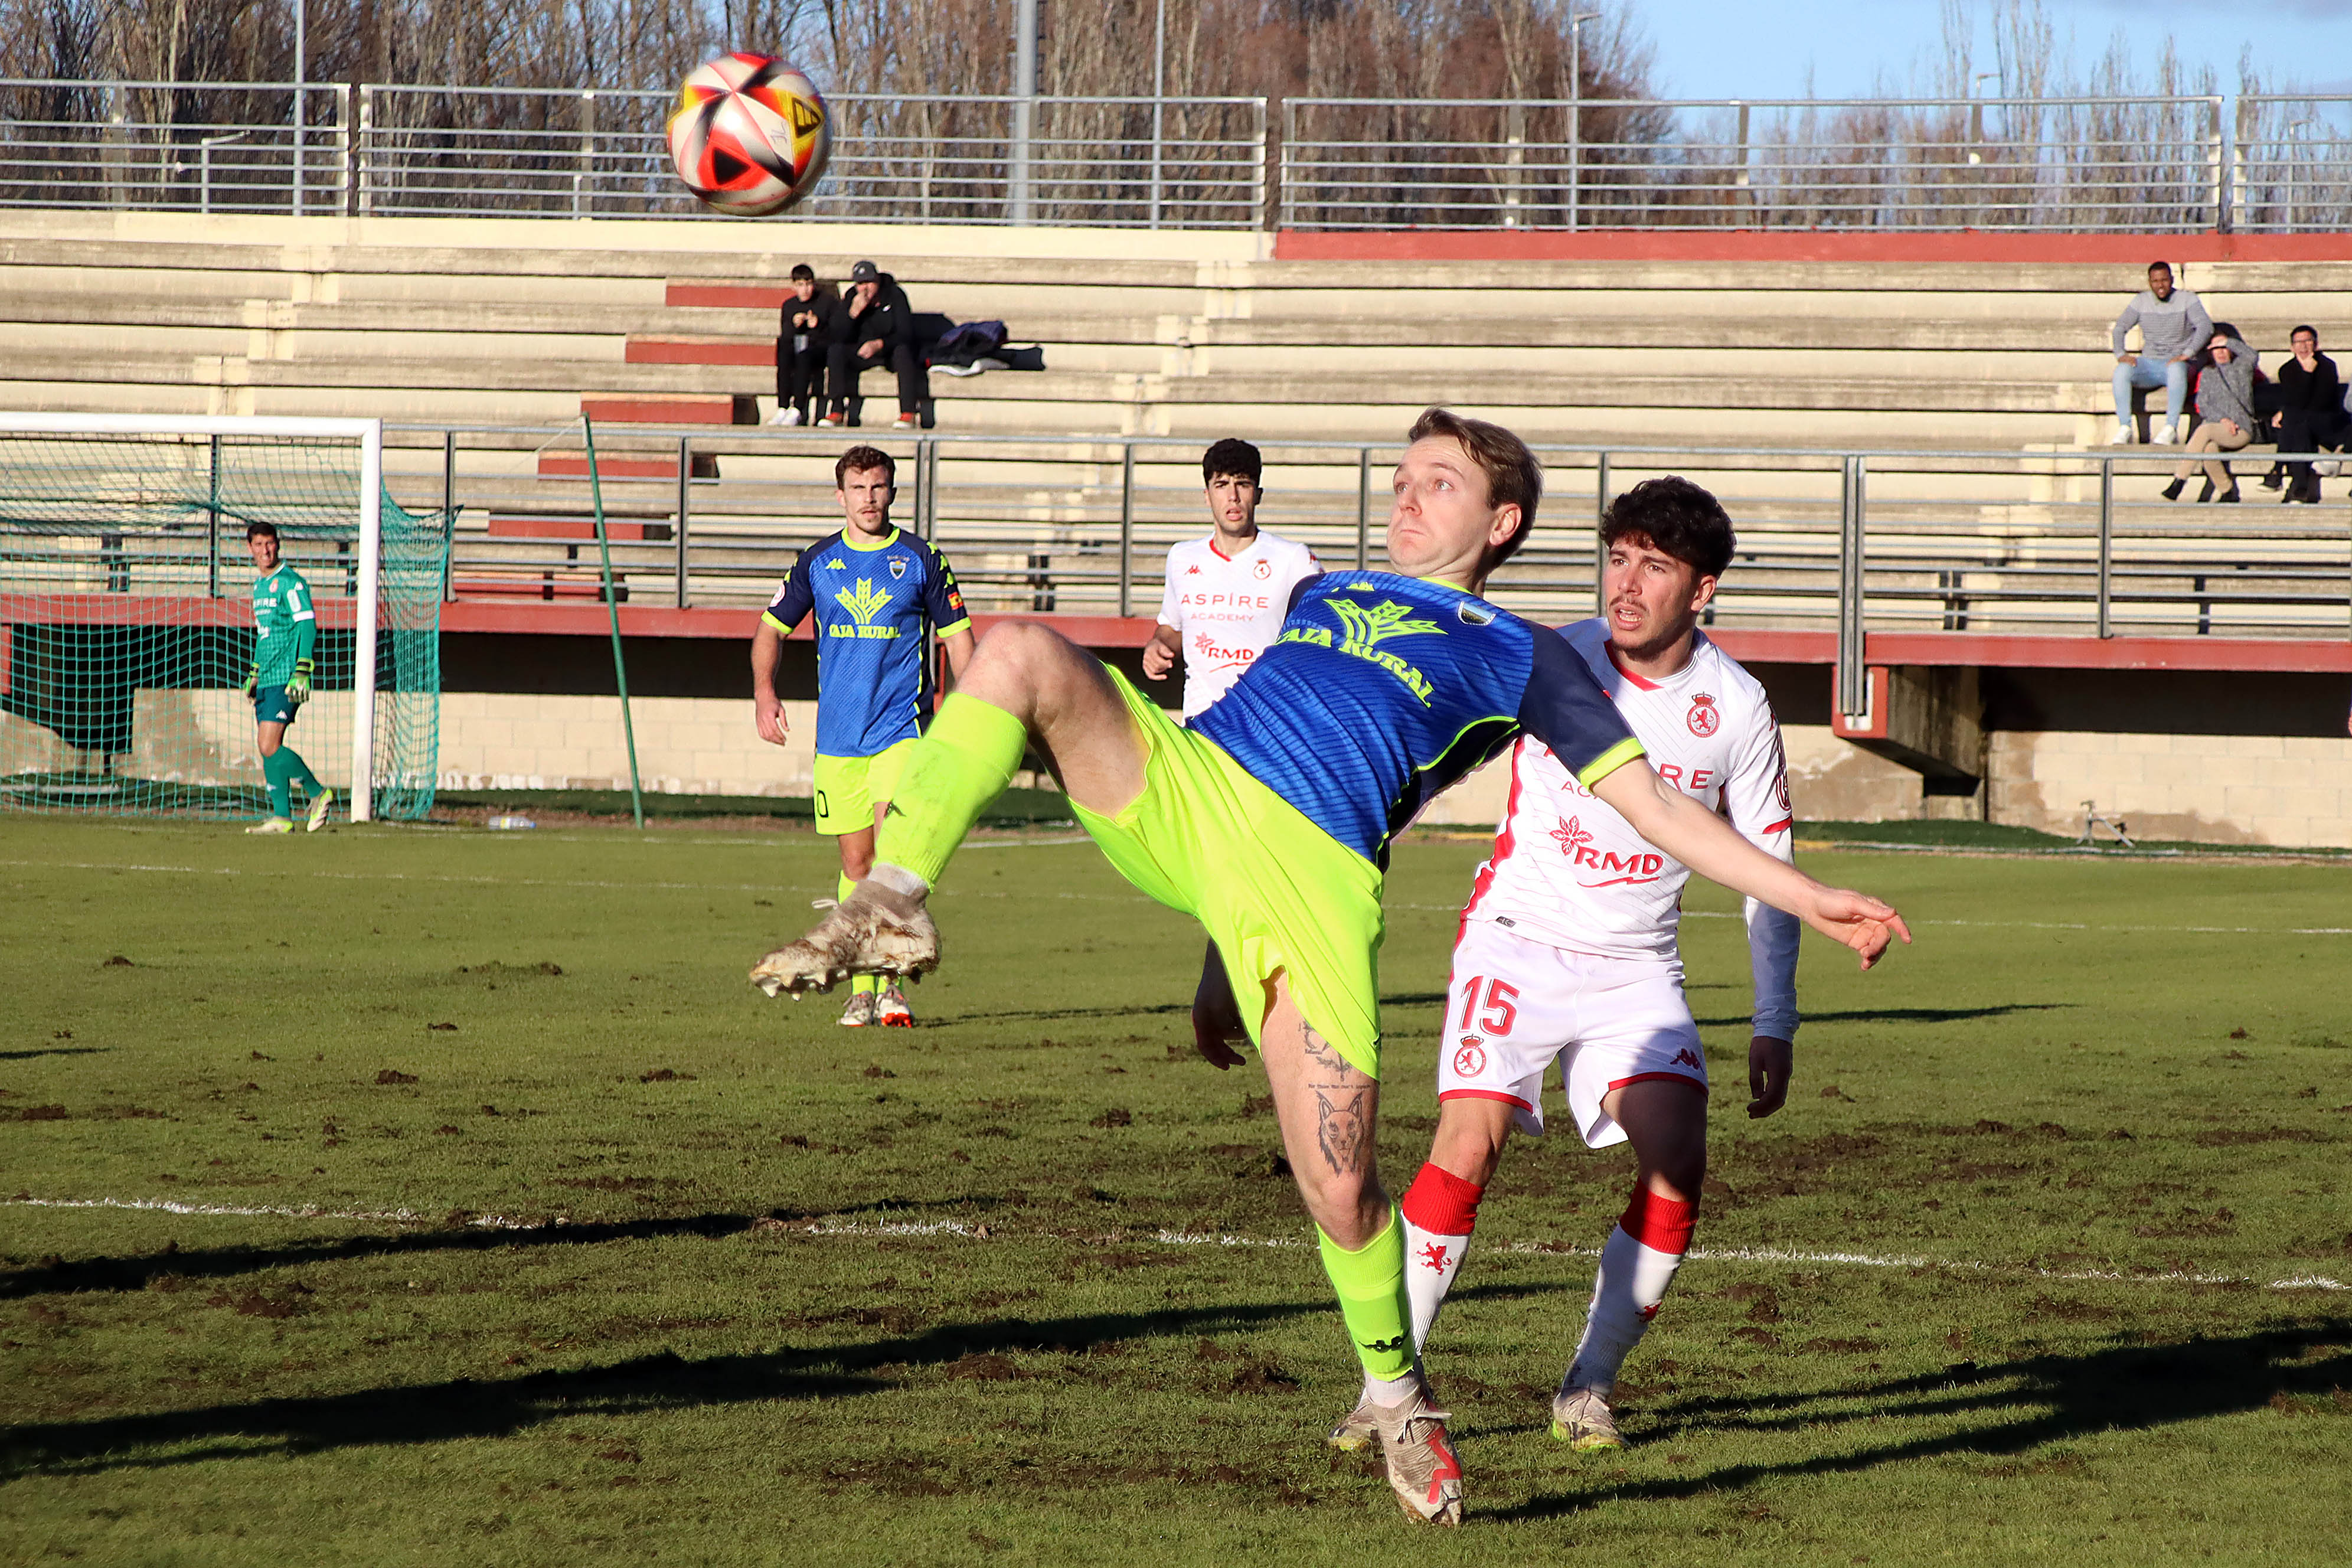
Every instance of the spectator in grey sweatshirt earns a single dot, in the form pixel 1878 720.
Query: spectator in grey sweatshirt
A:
pixel 2173 326
pixel 2225 415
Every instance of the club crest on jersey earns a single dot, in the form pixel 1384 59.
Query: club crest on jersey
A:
pixel 1263 570
pixel 898 566
pixel 1470 1057
pixel 1703 718
pixel 1471 615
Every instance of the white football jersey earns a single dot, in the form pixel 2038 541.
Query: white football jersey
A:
pixel 1228 608
pixel 1568 871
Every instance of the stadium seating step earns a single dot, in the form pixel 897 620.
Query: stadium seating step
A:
pixel 737 408
pixel 574 465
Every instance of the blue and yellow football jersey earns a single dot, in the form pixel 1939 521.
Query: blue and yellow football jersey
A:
pixel 873 684
pixel 1383 690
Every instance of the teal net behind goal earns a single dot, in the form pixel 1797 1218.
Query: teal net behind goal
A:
pixel 126 623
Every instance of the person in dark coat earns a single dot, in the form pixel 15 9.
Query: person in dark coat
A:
pixel 2310 411
pixel 877 329
pixel 805 331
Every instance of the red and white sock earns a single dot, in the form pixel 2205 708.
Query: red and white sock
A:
pixel 1439 1211
pixel 1636 1266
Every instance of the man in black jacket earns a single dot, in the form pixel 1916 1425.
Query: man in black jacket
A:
pixel 2310 411
pixel 877 327
pixel 806 331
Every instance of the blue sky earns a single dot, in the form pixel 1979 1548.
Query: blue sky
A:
pixel 1740 49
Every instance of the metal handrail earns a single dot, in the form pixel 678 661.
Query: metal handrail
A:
pixel 2257 162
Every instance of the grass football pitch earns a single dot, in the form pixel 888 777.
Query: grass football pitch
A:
pixel 416 1196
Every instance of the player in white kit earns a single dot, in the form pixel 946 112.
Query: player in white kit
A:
pixel 1224 601
pixel 1568 951
pixel 1227 593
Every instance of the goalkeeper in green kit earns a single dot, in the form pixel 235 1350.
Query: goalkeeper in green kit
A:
pixel 285 636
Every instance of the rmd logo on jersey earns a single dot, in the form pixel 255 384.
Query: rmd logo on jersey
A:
pixel 1575 841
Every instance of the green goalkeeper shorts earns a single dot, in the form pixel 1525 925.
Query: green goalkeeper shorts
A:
pixel 849 788
pixel 1277 894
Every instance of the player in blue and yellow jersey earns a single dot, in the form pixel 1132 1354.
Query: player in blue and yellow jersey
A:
pixel 872 589
pixel 1269 819
pixel 285 646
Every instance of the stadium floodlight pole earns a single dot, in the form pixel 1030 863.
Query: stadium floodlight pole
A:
pixel 1024 108
pixel 612 611
pixel 1575 104
pixel 369 434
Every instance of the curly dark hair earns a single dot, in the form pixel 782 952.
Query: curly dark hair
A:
pixel 1232 456
pixel 1675 516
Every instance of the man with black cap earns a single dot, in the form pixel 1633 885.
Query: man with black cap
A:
pixel 877 327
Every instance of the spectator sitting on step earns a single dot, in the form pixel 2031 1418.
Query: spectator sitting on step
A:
pixel 2173 326
pixel 2225 415
pixel 877 328
pixel 2310 411
pixel 806 331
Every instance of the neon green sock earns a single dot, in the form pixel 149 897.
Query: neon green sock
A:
pixel 277 771
pixel 859 984
pixel 1371 1285
pixel 956 772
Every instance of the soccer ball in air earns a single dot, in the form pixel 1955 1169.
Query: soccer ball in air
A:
pixel 750 134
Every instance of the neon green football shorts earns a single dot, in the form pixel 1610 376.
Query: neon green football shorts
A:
pixel 849 788
pixel 1277 894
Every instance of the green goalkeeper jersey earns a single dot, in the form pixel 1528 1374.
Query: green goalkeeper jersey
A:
pixel 284 627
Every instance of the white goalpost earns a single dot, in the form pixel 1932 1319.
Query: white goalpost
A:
pixel 122 551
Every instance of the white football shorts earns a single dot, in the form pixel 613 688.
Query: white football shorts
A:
pixel 1514 1005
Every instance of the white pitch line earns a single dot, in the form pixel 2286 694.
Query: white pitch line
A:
pixel 1196 1238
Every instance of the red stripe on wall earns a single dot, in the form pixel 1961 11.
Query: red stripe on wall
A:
pixel 1804 244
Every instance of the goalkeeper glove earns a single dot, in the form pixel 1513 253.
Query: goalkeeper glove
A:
pixel 297 689
pixel 252 679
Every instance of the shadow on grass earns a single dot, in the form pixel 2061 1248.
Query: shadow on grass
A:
pixel 53 1051
pixel 1903 1015
pixel 464 1407
pixel 135 1273
pixel 2008 1407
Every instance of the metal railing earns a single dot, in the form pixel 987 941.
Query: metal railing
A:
pixel 1933 163
pixel 1102 162
pixel 2260 163
pixel 1847 542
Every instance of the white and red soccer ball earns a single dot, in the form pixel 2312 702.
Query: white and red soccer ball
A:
pixel 749 135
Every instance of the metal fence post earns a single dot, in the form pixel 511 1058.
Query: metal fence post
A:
pixel 583 179
pixel 2106 543
pixel 1127 532
pixel 1744 202
pixel 1025 86
pixel 361 175
pixel 449 512
pixel 2235 219
pixel 684 510
pixel 1853 669
pixel 212 529
pixel 1600 516
pixel 2217 195
pixel 1363 508
pixel 1262 215
pixel 345 197
pixel 1289 141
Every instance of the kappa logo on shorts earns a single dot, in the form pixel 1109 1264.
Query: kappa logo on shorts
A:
pixel 1703 718
pixel 1470 1060
pixel 1684 1059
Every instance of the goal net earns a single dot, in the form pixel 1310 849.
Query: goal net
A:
pixel 126 621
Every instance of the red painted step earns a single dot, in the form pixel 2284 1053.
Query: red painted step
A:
pixel 574 465
pixel 700 351
pixel 571 528
pixel 729 296
pixel 721 409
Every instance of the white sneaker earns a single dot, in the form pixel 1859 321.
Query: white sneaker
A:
pixel 1423 1470
pixel 318 818
pixel 275 825
pixel 890 1009
pixel 2169 436
pixel 876 930
pixel 785 416
pixel 2122 437
pixel 860 1011
pixel 2327 467
pixel 1580 1417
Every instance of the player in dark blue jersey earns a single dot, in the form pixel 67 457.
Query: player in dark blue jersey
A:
pixel 1270 822
pixel 872 589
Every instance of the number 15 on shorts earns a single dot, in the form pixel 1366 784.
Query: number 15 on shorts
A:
pixel 1500 1001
